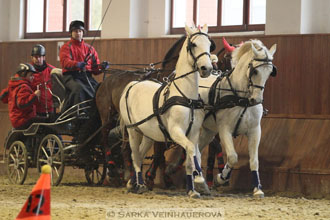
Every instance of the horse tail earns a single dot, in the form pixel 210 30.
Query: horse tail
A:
pixel 123 130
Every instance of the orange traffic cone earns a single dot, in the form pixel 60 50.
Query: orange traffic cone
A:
pixel 37 206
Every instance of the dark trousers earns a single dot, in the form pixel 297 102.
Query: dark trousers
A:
pixel 79 87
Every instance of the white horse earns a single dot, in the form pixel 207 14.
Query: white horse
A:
pixel 237 106
pixel 180 113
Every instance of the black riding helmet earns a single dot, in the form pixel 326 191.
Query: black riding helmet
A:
pixel 76 25
pixel 38 50
pixel 24 68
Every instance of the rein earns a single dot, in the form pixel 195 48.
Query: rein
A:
pixel 152 65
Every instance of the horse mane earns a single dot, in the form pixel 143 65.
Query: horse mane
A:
pixel 245 48
pixel 170 52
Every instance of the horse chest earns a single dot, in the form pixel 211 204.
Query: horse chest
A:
pixel 227 119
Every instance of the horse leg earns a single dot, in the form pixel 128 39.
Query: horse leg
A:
pixel 173 168
pixel 158 158
pixel 210 163
pixel 227 140
pixel 219 154
pixel 215 150
pixel 200 184
pixel 191 160
pixel 127 160
pixel 135 140
pixel 144 147
pixel 113 154
pixel 205 137
pixel 253 146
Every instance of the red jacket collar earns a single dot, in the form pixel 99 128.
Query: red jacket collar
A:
pixel 76 42
pixel 17 80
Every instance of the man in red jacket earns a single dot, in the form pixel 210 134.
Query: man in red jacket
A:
pixel 22 99
pixel 79 61
pixel 42 80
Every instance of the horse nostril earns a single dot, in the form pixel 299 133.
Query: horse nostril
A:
pixel 203 68
pixel 252 101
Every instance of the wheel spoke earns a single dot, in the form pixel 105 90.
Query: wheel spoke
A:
pixel 43 160
pixel 22 169
pixel 12 157
pixel 51 146
pixel 45 153
pixel 16 151
pixel 12 173
pixel 18 175
pixel 57 163
pixel 22 162
pixel 55 171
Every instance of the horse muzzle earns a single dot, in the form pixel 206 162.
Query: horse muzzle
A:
pixel 205 71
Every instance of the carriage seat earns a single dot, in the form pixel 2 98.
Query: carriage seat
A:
pixel 58 88
pixel 60 92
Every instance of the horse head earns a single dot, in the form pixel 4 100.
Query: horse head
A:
pixel 225 55
pixel 258 69
pixel 199 44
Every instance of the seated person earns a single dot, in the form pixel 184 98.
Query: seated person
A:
pixel 79 61
pixel 42 80
pixel 22 99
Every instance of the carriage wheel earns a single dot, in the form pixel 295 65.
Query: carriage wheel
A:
pixel 51 152
pixel 95 169
pixel 17 163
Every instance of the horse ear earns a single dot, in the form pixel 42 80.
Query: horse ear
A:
pixel 272 50
pixel 189 31
pixel 205 28
pixel 254 49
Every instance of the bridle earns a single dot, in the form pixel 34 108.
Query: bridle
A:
pixel 253 70
pixel 191 45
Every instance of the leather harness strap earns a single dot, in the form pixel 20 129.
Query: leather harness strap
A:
pixel 158 111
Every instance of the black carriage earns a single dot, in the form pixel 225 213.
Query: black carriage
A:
pixel 58 144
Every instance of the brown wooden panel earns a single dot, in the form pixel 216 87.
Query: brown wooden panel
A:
pixel 294 155
pixel 301 88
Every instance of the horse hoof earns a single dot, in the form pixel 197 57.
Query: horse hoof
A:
pixel 218 181
pixel 141 189
pixel 150 184
pixel 199 179
pixel 194 194
pixel 168 182
pixel 202 188
pixel 130 187
pixel 258 193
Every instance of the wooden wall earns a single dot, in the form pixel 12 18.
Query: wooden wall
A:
pixel 294 150
pixel 300 90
